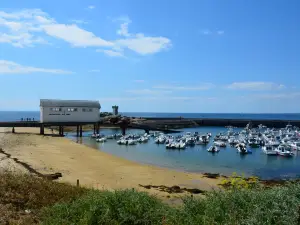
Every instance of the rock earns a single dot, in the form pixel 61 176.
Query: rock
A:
pixel 211 175
pixel 53 176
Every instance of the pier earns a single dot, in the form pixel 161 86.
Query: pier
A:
pixel 165 125
pixel 60 125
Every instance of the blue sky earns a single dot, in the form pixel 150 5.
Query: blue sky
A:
pixel 152 56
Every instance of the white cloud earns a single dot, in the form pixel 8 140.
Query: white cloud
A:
pixel 123 31
pixel 201 87
pixel 9 67
pixel 148 92
pixel 111 53
pixel 144 45
pixel 210 32
pixel 74 35
pixel 291 95
pixel 26 28
pixel 94 71
pixel 78 21
pixel 91 7
pixel 255 86
pixel 206 32
pixel 22 29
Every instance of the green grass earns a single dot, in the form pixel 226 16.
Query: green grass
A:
pixel 54 203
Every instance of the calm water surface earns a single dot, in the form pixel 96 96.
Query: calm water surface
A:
pixel 197 159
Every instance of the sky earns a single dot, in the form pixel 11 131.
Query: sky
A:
pixel 209 56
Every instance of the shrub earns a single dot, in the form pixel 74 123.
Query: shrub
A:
pixel 117 207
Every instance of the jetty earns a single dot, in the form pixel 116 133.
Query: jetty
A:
pixel 188 122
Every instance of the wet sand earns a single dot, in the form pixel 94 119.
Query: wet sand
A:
pixel 93 168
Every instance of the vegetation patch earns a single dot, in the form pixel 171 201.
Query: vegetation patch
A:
pixel 27 199
pixel 23 196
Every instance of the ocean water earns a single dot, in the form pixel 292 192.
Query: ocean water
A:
pixel 193 159
pixel 17 115
pixel 197 159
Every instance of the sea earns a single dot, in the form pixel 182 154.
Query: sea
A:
pixel 192 159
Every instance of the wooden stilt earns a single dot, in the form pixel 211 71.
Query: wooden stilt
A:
pixel 98 128
pixel 80 131
pixel 77 131
pixel 42 130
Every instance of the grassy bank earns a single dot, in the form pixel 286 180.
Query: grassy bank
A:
pixel 25 199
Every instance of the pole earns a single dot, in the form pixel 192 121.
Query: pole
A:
pixel 80 131
pixel 77 130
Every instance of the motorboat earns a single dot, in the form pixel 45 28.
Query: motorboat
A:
pixel 213 149
pixel 283 151
pixel 220 143
pixel 242 149
pixel 269 150
pixel 103 139
pixel 131 142
pixel 253 143
pixel 95 135
pixel 233 141
pixel 295 146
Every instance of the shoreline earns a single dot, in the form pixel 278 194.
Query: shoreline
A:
pixel 95 168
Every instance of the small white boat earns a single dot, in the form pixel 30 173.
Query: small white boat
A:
pixel 220 143
pixel 283 151
pixel 95 135
pixel 295 146
pixel 131 142
pixel 242 149
pixel 269 150
pixel 213 149
pixel 101 139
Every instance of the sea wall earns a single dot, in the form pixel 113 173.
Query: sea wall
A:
pixel 222 122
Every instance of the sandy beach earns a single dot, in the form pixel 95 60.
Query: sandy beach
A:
pixel 93 168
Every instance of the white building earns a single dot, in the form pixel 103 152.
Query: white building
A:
pixel 52 110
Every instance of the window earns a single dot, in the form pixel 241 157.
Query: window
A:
pixel 87 110
pixel 55 109
pixel 72 110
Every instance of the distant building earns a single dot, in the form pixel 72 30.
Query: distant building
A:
pixel 115 110
pixel 53 110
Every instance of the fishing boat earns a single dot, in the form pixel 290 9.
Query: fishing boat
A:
pixel 213 149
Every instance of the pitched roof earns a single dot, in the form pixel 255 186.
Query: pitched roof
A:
pixel 69 103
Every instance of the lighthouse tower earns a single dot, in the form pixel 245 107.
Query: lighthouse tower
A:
pixel 115 109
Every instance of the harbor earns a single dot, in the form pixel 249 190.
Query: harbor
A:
pixel 194 155
pixel 261 145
